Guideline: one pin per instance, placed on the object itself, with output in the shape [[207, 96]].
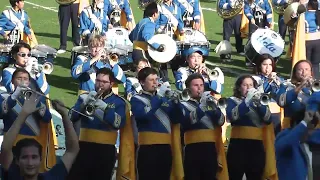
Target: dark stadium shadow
[[67, 83], [63, 62], [44, 34]]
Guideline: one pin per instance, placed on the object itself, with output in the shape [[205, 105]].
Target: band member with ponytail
[[297, 148], [292, 96], [155, 116], [259, 13], [248, 152], [143, 32], [201, 123], [231, 25], [21, 54], [98, 135], [195, 59], [93, 20], [85, 68], [312, 17]]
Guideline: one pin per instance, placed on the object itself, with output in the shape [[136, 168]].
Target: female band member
[[313, 36], [293, 96], [247, 152]]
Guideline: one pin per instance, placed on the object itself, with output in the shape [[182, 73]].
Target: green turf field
[[44, 21]]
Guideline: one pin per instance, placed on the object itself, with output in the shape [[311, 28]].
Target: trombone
[[28, 92], [90, 108]]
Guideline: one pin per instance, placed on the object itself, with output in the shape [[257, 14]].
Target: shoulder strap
[[169, 15], [14, 19], [186, 5]]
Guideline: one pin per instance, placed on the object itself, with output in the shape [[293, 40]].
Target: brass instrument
[[46, 68], [28, 92], [65, 2], [228, 14], [114, 57], [279, 9], [143, 4], [261, 99], [212, 102], [176, 95], [90, 108], [315, 86], [212, 74]]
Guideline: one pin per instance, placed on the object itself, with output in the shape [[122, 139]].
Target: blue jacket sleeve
[[225, 5], [43, 83], [127, 10], [284, 97], [216, 87], [247, 10], [179, 82], [106, 6], [26, 24], [148, 32], [105, 23], [176, 113], [268, 11], [180, 21], [236, 112], [84, 27], [196, 11], [3, 22], [81, 66], [191, 117], [285, 140], [141, 111], [128, 88], [118, 73], [116, 116], [216, 116], [6, 80]]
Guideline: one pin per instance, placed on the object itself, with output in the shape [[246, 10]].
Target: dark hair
[[20, 70], [193, 77], [259, 61], [145, 72], [236, 89], [150, 10], [16, 48], [106, 71], [313, 5], [136, 63], [13, 2], [294, 78], [26, 142]]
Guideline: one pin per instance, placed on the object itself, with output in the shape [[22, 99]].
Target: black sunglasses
[[24, 54]]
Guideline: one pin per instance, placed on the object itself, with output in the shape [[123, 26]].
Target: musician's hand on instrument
[[30, 104], [59, 107], [250, 94], [161, 48], [253, 21], [197, 26], [17, 92], [100, 104], [90, 97], [163, 89]]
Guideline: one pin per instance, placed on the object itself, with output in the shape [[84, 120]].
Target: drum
[[50, 52], [194, 38], [5, 55], [78, 50], [264, 41], [41, 56]]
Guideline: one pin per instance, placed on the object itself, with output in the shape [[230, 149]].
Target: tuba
[[279, 9], [65, 2], [227, 14], [142, 4]]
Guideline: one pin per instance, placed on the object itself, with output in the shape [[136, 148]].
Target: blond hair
[[96, 41]]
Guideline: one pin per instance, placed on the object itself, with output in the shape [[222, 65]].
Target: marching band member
[[154, 115], [15, 19], [230, 25], [85, 68], [312, 19], [282, 26], [110, 6], [21, 54], [297, 148], [22, 161], [259, 13], [195, 59], [132, 85], [190, 9], [201, 123], [248, 151], [143, 32], [98, 134], [293, 96], [93, 20]]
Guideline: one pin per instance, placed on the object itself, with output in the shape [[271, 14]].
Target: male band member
[[67, 12], [21, 54], [13, 20], [93, 20], [230, 25], [259, 13], [98, 135], [143, 32], [297, 148], [281, 24], [200, 120], [28, 152], [191, 14], [154, 115], [114, 8], [85, 68], [195, 59]]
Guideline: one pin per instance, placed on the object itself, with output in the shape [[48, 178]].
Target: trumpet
[[315, 86], [213, 102], [261, 99], [46, 68], [90, 108], [212, 74], [184, 95], [114, 57]]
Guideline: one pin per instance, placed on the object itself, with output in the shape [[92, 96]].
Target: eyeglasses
[[24, 54], [101, 81]]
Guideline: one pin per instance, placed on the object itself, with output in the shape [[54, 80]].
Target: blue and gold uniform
[[11, 19], [260, 11], [123, 5], [90, 19], [202, 134], [40, 81], [250, 147], [191, 7], [132, 87], [281, 24], [98, 135], [86, 73], [156, 118]]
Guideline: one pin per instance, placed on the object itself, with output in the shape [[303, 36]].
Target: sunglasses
[[24, 54]]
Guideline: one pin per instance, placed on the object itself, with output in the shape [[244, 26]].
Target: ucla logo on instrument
[[266, 43]]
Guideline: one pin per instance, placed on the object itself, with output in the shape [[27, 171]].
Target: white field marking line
[[214, 10], [37, 5]]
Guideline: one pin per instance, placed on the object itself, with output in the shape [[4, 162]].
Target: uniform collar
[[151, 19], [108, 95], [19, 11], [194, 100]]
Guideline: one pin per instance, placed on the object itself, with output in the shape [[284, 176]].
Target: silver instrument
[[315, 86], [90, 108], [46, 68], [261, 99], [212, 102], [176, 95]]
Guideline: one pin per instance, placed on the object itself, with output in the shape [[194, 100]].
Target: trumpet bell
[[316, 86], [264, 100], [47, 68], [185, 95], [222, 103], [89, 110]]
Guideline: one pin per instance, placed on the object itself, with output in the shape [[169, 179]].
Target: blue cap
[[202, 51]]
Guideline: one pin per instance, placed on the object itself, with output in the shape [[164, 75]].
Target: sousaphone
[[169, 52]]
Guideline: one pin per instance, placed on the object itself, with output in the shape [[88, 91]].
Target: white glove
[[251, 93], [184, 77], [203, 100], [100, 104], [90, 97], [163, 88], [17, 92]]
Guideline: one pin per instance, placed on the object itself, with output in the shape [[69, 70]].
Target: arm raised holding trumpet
[[214, 78]]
